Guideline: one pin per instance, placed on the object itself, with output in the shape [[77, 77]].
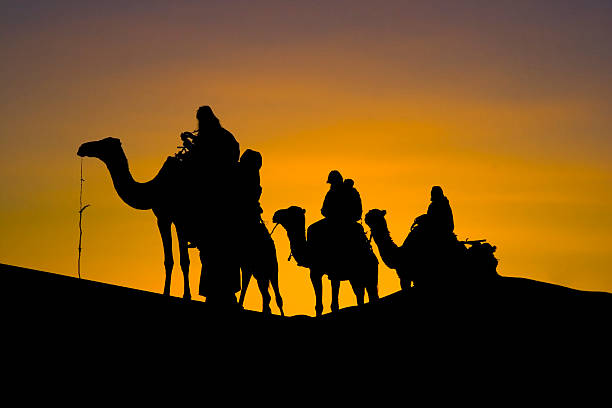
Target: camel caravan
[[223, 220]]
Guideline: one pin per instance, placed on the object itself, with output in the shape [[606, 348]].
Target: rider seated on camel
[[210, 165], [250, 183], [438, 221], [439, 213], [342, 202], [342, 210], [211, 143], [353, 200]]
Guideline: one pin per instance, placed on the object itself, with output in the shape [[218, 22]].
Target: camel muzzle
[[80, 152], [83, 150]]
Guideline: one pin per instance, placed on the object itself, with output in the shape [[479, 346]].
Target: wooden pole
[[81, 209]]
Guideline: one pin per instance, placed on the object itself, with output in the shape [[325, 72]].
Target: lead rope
[[81, 209], [275, 225], [273, 229], [369, 239], [290, 253]]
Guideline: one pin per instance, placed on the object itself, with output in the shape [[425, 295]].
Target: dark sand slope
[[504, 318]]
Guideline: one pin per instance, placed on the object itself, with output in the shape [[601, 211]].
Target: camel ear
[[303, 211], [384, 212]]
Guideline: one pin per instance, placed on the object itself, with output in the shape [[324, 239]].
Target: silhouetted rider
[[352, 200], [210, 162], [342, 202], [250, 183], [333, 202], [211, 144], [439, 213], [346, 238], [211, 171]]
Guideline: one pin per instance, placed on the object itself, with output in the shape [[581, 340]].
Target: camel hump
[[170, 163], [170, 170]]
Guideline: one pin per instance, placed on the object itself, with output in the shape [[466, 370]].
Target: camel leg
[[372, 292], [265, 295], [165, 231], [317, 284], [359, 292], [184, 261], [246, 278], [335, 286], [275, 288]]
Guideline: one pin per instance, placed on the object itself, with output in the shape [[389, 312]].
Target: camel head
[[375, 219], [101, 149], [292, 217]]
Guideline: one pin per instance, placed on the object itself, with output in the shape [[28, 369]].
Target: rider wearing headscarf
[[439, 213]]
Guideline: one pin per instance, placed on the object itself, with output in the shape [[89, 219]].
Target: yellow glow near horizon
[[516, 204]]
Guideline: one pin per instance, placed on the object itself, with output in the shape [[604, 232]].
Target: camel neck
[[381, 232], [297, 242], [135, 194], [389, 251]]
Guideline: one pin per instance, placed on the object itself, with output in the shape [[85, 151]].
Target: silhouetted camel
[[163, 194], [390, 253], [324, 255], [259, 259], [413, 260]]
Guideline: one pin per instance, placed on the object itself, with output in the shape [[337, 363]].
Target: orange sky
[[507, 107]]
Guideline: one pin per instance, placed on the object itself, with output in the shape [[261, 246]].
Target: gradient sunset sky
[[506, 104]]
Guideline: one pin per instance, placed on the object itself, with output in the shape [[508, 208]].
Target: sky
[[504, 104]]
